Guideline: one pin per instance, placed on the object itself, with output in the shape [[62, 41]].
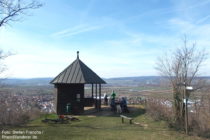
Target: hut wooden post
[[96, 101], [99, 96], [92, 91]]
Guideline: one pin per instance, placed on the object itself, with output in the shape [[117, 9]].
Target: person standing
[[113, 95], [123, 105], [106, 99], [113, 105]]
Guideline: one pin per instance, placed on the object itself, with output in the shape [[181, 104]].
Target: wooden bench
[[125, 117]]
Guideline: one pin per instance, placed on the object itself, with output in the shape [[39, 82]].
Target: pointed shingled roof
[[77, 73]]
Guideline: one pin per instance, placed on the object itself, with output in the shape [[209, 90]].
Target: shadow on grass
[[134, 111]]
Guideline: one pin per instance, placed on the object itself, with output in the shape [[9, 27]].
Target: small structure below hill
[[70, 88]]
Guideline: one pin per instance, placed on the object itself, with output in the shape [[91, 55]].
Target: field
[[105, 125]]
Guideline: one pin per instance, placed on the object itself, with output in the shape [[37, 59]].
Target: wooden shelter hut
[[70, 85]]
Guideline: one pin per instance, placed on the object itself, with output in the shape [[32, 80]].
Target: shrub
[[198, 115], [199, 119], [16, 110], [159, 109]]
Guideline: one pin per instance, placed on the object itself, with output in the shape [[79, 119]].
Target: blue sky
[[116, 38]]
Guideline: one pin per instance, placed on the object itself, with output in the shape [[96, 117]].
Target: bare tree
[[11, 10], [181, 67]]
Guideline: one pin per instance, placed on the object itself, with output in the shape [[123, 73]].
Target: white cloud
[[114, 58], [203, 19], [33, 58], [76, 30]]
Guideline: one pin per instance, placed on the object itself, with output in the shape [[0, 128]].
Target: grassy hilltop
[[106, 125]]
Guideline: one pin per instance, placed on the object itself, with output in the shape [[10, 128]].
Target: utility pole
[[186, 110], [185, 94], [188, 89]]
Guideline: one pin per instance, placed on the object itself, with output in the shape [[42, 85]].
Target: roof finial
[[77, 54]]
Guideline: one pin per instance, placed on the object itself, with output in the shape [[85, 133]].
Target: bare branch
[[10, 10]]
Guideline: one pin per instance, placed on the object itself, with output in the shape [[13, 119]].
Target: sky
[[115, 38]]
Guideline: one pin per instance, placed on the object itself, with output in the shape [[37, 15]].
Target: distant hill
[[26, 82], [121, 81], [134, 81]]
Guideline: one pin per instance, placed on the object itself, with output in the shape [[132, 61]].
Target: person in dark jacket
[[123, 104], [106, 100]]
